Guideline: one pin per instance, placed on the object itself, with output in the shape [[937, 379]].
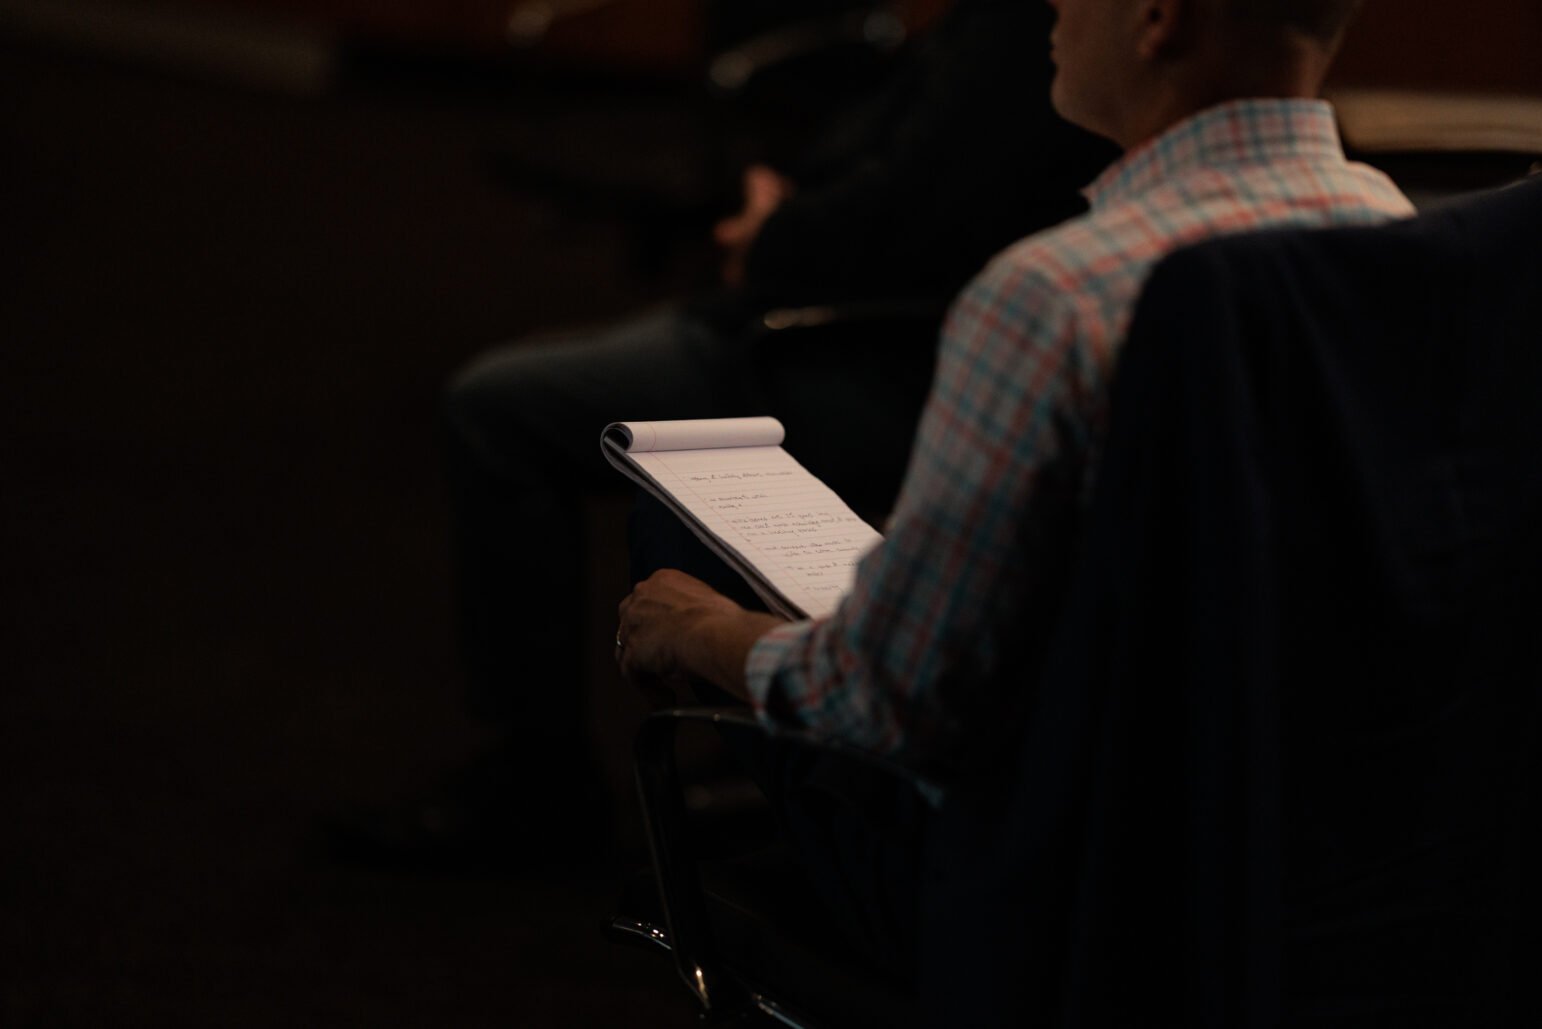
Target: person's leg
[[522, 438], [521, 432]]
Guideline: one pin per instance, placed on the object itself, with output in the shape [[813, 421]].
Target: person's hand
[[654, 624], [673, 629], [764, 191]]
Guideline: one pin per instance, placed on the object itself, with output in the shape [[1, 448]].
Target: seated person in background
[[904, 197], [1212, 100]]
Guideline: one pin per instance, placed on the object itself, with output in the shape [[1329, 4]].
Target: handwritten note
[[780, 518]]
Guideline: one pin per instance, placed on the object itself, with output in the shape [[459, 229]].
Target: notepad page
[[759, 500]]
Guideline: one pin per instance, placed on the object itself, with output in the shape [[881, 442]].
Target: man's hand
[[674, 628], [764, 191]]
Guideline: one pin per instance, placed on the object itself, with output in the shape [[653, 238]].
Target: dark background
[[238, 258], [228, 310]]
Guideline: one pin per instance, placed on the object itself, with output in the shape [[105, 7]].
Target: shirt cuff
[[774, 652]]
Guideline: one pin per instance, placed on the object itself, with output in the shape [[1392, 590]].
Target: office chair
[[1280, 763], [739, 922]]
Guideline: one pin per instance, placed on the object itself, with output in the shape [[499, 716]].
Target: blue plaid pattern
[[1007, 444]]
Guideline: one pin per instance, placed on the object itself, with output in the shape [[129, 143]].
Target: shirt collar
[[1233, 133]]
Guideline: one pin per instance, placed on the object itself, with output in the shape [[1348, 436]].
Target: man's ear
[[1164, 26]]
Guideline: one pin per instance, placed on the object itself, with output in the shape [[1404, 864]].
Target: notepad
[[788, 534]]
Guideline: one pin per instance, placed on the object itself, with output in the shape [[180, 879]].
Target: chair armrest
[[782, 320], [856, 331], [676, 865]]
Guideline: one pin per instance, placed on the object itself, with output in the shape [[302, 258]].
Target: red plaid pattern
[[1007, 444]]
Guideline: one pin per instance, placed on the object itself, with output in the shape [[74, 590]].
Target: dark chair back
[[1281, 766]]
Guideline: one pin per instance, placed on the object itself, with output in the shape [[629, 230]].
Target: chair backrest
[[1281, 766]]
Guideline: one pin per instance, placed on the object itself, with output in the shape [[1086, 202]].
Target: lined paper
[[779, 517], [791, 536]]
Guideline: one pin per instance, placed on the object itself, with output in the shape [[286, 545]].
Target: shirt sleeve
[[898, 667]]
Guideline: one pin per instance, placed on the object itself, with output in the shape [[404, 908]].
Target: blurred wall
[[1475, 46], [653, 35]]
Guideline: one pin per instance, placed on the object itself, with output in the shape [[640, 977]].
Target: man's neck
[[1179, 92]]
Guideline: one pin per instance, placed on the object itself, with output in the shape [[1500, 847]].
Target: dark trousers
[[522, 429]]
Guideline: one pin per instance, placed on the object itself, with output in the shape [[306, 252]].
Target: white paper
[[791, 536]]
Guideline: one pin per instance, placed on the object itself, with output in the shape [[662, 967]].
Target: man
[[904, 196], [1212, 101]]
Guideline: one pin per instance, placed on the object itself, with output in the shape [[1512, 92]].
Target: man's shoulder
[[1041, 286], [1110, 240], [1090, 268], [1062, 260]]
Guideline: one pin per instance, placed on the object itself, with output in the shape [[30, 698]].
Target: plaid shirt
[[1007, 442]]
